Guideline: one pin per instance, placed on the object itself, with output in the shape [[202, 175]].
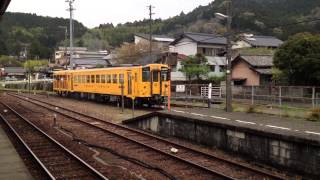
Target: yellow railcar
[[145, 84]]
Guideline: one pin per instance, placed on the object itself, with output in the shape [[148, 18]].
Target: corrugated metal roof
[[264, 71], [155, 37]]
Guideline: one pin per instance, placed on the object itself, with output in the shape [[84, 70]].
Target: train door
[[129, 83], [155, 82]]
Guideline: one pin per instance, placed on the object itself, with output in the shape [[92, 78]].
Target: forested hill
[[40, 34], [266, 17]]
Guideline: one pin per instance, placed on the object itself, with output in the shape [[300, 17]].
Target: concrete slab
[[11, 165], [267, 123]]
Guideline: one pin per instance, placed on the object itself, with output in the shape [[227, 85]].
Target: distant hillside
[[40, 34], [266, 17], [262, 17]]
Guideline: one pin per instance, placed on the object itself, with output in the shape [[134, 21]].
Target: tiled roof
[[263, 41], [11, 70], [203, 38], [258, 61]]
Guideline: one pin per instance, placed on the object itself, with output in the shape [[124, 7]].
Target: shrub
[[314, 115]]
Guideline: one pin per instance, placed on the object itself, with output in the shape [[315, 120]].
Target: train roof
[[108, 68]]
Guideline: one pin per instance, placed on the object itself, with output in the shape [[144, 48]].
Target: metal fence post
[[280, 100], [252, 95], [209, 95], [313, 97]]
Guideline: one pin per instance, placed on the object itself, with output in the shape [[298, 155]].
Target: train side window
[[121, 78], [146, 74], [92, 79], [109, 78], [97, 78], [114, 78], [103, 79], [88, 79]]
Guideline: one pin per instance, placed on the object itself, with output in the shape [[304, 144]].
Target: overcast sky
[[94, 12]]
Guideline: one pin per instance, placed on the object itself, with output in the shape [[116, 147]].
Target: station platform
[[11, 165], [268, 123]]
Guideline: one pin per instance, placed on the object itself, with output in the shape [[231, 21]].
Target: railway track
[[209, 163], [55, 160]]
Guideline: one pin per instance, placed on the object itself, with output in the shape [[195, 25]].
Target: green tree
[[6, 61], [195, 67], [299, 59], [34, 65]]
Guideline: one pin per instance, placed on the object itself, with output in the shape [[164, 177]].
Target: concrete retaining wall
[[289, 153]]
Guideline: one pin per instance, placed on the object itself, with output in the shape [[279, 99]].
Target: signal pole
[[229, 58], [71, 9], [150, 35]]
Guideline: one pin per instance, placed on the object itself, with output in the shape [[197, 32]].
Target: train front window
[[165, 75], [146, 74]]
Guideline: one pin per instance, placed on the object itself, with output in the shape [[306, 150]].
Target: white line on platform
[[179, 111], [246, 122], [202, 115], [217, 117], [310, 132], [277, 127]]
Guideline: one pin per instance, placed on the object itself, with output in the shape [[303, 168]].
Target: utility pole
[[150, 35], [71, 9], [229, 58]]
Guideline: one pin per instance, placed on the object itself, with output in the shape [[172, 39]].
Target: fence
[[291, 96], [43, 85]]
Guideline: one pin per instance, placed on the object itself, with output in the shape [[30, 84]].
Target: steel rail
[[216, 173], [275, 176], [89, 167]]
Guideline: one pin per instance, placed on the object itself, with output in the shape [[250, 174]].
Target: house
[[254, 41], [89, 62], [199, 43], [82, 58], [14, 73], [252, 70], [159, 41], [174, 61]]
